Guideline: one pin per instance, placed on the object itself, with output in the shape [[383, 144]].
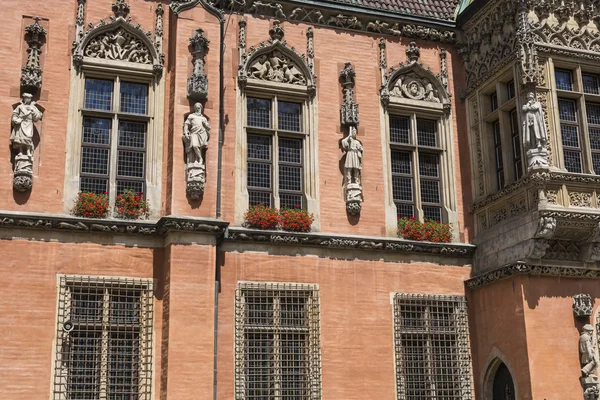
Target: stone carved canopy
[[118, 40]]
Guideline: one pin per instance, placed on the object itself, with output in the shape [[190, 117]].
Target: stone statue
[[21, 139], [587, 356], [354, 152], [535, 136], [195, 138]]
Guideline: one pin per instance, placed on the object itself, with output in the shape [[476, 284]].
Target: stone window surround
[[286, 92], [144, 284], [502, 114], [109, 69], [580, 99], [427, 110]]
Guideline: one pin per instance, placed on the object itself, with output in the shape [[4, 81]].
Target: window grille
[[114, 142], [432, 347], [405, 131], [104, 339], [564, 80], [273, 151], [277, 346], [516, 145], [569, 129], [498, 154]]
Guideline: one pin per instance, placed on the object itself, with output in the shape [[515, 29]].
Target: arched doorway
[[503, 387]]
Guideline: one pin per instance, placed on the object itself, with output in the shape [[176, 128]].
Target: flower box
[[263, 217], [131, 205], [428, 231], [91, 205]]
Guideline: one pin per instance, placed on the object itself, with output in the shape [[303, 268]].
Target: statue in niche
[[195, 138], [354, 152], [589, 363], [535, 136], [21, 139]]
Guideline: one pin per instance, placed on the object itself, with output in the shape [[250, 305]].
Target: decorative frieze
[[582, 305], [197, 83], [31, 73]]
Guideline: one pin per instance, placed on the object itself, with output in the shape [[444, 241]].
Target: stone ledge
[[110, 226], [347, 242], [522, 268]]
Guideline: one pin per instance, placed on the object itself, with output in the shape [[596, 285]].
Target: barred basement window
[[414, 141], [275, 137], [104, 339], [277, 348], [432, 347], [115, 123]]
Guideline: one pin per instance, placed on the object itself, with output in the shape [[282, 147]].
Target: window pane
[[259, 112], [259, 371], [136, 186], [98, 94], [399, 129], [510, 89], [429, 165], [259, 147], [570, 136], [289, 116], [563, 79], [566, 110], [86, 305], [402, 188], [427, 132], [404, 210], [259, 175], [290, 178], [432, 213], [123, 365], [256, 198], [430, 191], [293, 311], [590, 84], [572, 161], [94, 160], [132, 134], [295, 382], [93, 185], [96, 131], [130, 163], [593, 113], [595, 138], [596, 163], [134, 98], [494, 101], [289, 200], [124, 306], [414, 362], [290, 151], [83, 361], [401, 162]]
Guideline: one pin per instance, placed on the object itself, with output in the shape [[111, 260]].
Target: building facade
[[483, 116]]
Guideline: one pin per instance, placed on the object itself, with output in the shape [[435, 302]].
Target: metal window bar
[[497, 135], [110, 143], [104, 339], [516, 145], [277, 348], [432, 347], [569, 129]]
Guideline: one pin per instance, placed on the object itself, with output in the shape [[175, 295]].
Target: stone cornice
[[70, 223], [522, 268], [335, 241]]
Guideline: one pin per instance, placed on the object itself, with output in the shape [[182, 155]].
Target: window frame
[[430, 332], [498, 154], [277, 291], [144, 327]]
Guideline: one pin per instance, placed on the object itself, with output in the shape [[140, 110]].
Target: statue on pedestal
[[21, 139], [352, 170], [195, 138], [535, 135], [589, 363]]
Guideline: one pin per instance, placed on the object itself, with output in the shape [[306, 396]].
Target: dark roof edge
[[471, 10]]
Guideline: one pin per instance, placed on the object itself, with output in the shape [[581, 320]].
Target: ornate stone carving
[[307, 15], [528, 57], [546, 227], [272, 9], [538, 249], [121, 40], [196, 133], [580, 199], [444, 69], [345, 21], [31, 73], [535, 135], [158, 27], [275, 61], [410, 80], [23, 118], [382, 56], [197, 83], [310, 49], [349, 109], [582, 305], [589, 363], [478, 152], [377, 26]]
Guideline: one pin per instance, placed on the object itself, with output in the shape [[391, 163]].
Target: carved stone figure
[[118, 45], [354, 152], [535, 136], [413, 87], [195, 138], [582, 305], [276, 67], [546, 227], [21, 139]]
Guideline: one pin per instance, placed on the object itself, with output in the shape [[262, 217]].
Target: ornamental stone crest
[[582, 305], [274, 61], [411, 80], [197, 84], [119, 40], [31, 73]]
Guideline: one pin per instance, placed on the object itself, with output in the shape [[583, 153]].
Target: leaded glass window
[[414, 142], [569, 129], [104, 339], [275, 157], [432, 347], [277, 347], [115, 124], [591, 84], [564, 79]]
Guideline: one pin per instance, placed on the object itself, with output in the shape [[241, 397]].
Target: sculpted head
[[530, 96], [198, 108], [27, 98], [587, 328]]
